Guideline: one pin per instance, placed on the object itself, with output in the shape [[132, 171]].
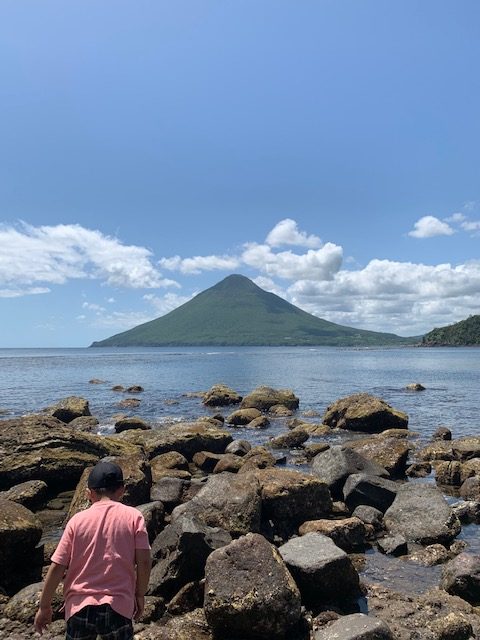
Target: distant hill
[[236, 312], [464, 333]]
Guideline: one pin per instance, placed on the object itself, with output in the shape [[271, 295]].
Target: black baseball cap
[[105, 475]]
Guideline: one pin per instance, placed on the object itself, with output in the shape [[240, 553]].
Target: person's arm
[[43, 616], [143, 561]]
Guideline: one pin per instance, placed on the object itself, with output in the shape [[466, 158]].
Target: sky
[[326, 149]]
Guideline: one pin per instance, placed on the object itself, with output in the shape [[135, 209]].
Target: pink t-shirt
[[98, 547]]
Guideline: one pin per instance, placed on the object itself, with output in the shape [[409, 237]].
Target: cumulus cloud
[[429, 227], [286, 232], [56, 254], [197, 264]]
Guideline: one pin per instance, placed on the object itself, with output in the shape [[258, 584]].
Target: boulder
[[470, 489], [129, 403], [132, 422], [242, 417], [349, 534], [448, 472], [290, 440], [164, 464], [169, 491], [228, 462], [419, 470], [20, 558], [364, 412], [188, 598], [390, 453], [356, 626], [334, 465], [290, 497], [153, 514], [323, 572], [461, 577], [118, 388], [280, 411], [262, 422], [70, 408], [137, 478], [190, 626], [263, 398], [186, 438], [257, 458], [24, 604], [207, 461], [372, 491], [229, 501], [442, 433], [84, 423], [249, 593], [415, 386], [221, 396], [238, 447], [395, 545], [136, 388], [431, 555], [31, 494], [369, 516], [180, 552], [421, 514], [44, 448]]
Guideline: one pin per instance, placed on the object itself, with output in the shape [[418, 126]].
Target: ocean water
[[31, 379]]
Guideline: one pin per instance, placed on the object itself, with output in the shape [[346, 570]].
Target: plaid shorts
[[98, 620]]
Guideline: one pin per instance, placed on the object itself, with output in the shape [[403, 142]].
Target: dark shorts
[[98, 620]]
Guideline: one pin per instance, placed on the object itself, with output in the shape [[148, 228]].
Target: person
[[104, 559]]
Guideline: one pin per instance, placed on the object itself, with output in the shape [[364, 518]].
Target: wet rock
[[289, 498], [356, 626], [96, 381], [262, 422], [88, 424], [315, 430], [43, 448], [249, 593], [467, 511], [133, 422], [257, 458], [349, 534], [290, 440], [242, 417], [323, 572], [364, 412], [228, 462], [229, 501], [70, 408], [430, 556], [312, 450], [372, 491], [369, 516], [437, 450], [163, 465], [180, 552], [461, 577], [20, 561], [470, 489], [129, 403], [169, 491], [186, 438], [221, 396], [395, 545], [415, 386], [136, 388], [24, 604], [442, 433], [207, 461], [421, 514], [389, 453], [280, 411], [118, 388], [31, 494], [190, 626], [419, 470], [154, 514], [448, 472], [263, 398], [334, 465], [238, 447]]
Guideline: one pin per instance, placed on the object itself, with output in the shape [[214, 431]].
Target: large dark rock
[[180, 552], [20, 560], [263, 398], [70, 408], [290, 440], [334, 465], [221, 396], [390, 453], [153, 514], [229, 501], [31, 494], [131, 422], [186, 438], [238, 447], [364, 412], [461, 577], [323, 572], [372, 491], [290, 497], [356, 626], [249, 593], [349, 534], [24, 604], [169, 491], [257, 458], [44, 448], [190, 626], [421, 514]]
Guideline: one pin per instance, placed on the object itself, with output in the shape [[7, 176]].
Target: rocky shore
[[243, 546]]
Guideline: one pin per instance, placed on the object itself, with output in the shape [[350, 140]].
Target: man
[[104, 558]]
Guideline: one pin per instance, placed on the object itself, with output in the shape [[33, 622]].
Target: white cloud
[[286, 232], [165, 304], [429, 227], [197, 264], [456, 217], [472, 226], [56, 254], [92, 306], [17, 293]]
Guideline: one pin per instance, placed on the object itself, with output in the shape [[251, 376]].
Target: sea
[[172, 377]]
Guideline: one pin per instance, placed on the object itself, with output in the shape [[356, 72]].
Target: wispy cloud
[[429, 227], [197, 264]]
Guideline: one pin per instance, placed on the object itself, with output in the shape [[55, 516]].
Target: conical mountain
[[237, 312]]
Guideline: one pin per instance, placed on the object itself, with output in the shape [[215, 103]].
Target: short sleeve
[[63, 552], [141, 535]]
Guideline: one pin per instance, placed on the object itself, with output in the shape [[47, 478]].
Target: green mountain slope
[[464, 333], [237, 312]]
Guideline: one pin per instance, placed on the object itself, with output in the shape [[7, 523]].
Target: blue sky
[[326, 149]]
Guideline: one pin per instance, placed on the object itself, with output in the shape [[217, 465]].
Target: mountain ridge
[[464, 333], [236, 312]]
